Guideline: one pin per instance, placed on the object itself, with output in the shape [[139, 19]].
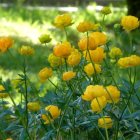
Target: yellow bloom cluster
[[63, 20], [68, 75], [130, 61], [74, 58], [53, 112], [5, 44], [87, 26], [100, 95], [62, 50], [91, 69], [96, 55], [26, 50], [3, 94], [55, 61], [105, 122], [45, 73], [33, 106], [115, 52], [91, 42], [129, 23]]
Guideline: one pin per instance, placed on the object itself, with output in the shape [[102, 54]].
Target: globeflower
[[130, 61], [98, 103], [105, 10], [3, 94], [33, 106], [55, 61], [99, 38], [115, 52], [91, 69], [87, 26], [112, 94], [45, 38], [47, 119], [5, 43], [26, 50], [74, 58], [105, 122], [129, 23], [53, 110], [63, 20], [62, 50], [96, 55], [45, 73], [93, 91], [68, 75]]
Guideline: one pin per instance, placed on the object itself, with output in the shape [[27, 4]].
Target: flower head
[[68, 75], [115, 52], [87, 26], [105, 10], [26, 50], [63, 20], [98, 103], [91, 69], [112, 94], [93, 91], [45, 38], [62, 50], [129, 23], [53, 110], [55, 61], [45, 73], [74, 58], [3, 94], [130, 61], [105, 122], [96, 55], [33, 106], [5, 44], [47, 119]]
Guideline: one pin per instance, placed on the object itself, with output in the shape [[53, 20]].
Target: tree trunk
[[134, 7]]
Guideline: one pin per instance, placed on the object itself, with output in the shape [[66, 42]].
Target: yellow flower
[[62, 50], [53, 110], [84, 42], [91, 69], [68, 75], [26, 50], [46, 118], [99, 38], [129, 23], [97, 55], [55, 61], [87, 26], [93, 91], [74, 58], [130, 61], [45, 73], [63, 20], [3, 95], [98, 103], [105, 10], [112, 94], [5, 44], [115, 52], [33, 106], [45, 38], [105, 122]]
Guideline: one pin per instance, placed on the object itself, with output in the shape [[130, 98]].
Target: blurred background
[[26, 20]]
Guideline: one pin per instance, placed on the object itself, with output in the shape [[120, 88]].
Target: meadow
[[69, 75]]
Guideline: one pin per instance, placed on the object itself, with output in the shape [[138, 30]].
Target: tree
[[134, 7]]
